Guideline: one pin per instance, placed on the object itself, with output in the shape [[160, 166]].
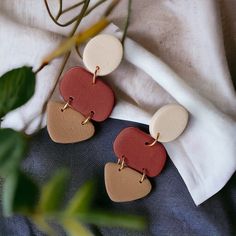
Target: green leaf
[[16, 88], [74, 228], [82, 199], [53, 192], [13, 147], [20, 194], [110, 219]]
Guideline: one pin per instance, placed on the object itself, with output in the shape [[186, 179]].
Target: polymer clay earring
[[86, 96], [141, 155]]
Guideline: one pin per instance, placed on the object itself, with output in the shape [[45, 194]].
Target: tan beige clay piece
[[66, 126], [124, 185]]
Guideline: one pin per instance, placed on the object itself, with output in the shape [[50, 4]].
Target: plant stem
[[40, 68], [111, 7], [54, 19], [66, 57], [78, 52], [94, 6], [86, 4], [69, 9], [80, 17], [50, 14], [60, 9], [83, 12], [127, 21]]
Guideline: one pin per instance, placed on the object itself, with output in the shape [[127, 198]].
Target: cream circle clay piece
[[169, 121], [103, 51]]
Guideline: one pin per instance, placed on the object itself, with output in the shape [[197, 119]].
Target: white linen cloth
[[187, 65]]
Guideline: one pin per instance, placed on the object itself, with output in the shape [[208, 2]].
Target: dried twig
[[55, 20], [60, 8], [111, 7], [127, 21], [95, 6], [61, 12], [66, 57], [84, 11]]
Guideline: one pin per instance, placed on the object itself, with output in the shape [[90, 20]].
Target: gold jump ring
[[95, 74], [155, 141], [143, 176], [88, 118], [122, 163], [67, 104]]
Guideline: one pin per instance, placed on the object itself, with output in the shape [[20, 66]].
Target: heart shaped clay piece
[[131, 145], [123, 185], [66, 127]]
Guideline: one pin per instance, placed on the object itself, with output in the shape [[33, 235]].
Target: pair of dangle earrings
[[86, 96], [141, 155]]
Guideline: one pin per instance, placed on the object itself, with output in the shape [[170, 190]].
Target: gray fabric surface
[[169, 207]]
